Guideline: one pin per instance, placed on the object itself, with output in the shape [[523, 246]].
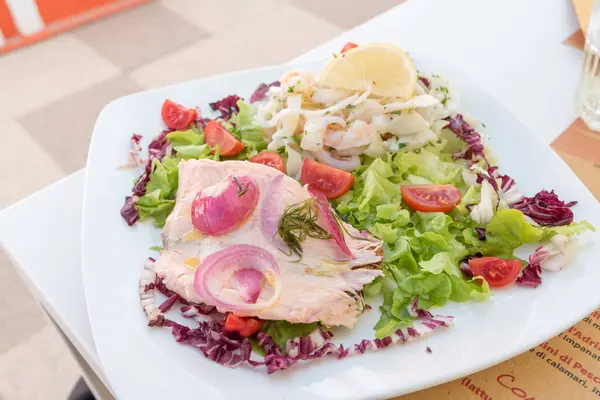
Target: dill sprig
[[298, 222]]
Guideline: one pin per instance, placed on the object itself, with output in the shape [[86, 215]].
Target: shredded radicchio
[[133, 157], [200, 122], [210, 337], [129, 212], [546, 209], [158, 148], [480, 233], [464, 264], [261, 91], [504, 185], [226, 106], [474, 148], [531, 275]]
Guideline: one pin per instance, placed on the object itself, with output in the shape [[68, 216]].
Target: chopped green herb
[[298, 222], [291, 89], [350, 106], [334, 55], [326, 112], [155, 248]]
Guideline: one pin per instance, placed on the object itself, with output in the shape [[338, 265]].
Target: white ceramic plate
[[144, 363]]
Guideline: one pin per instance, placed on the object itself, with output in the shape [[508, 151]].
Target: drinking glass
[[587, 102]]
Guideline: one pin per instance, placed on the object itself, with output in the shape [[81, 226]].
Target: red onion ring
[[330, 222], [249, 283], [240, 257], [218, 209]]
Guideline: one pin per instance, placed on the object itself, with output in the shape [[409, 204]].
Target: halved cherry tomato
[[269, 158], [349, 46], [430, 198], [215, 134], [330, 181], [245, 326], [496, 271], [175, 116]]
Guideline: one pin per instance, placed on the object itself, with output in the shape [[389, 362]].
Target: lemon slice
[[380, 68]]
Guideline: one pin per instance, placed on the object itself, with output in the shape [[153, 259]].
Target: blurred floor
[[52, 92]]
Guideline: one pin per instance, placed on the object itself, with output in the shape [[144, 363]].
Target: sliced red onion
[[331, 223], [213, 288], [220, 208], [249, 283]]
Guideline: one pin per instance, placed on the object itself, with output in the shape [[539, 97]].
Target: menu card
[[568, 365]]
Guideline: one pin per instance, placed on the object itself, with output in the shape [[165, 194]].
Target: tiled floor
[[51, 93]]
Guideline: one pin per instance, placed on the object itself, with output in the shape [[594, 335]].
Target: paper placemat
[[568, 365]]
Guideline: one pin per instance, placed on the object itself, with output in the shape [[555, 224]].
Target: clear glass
[[587, 102]]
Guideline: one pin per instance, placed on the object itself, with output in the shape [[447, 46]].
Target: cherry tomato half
[[330, 181], [245, 326], [348, 46], [496, 271], [430, 198], [270, 159], [175, 116], [215, 134]]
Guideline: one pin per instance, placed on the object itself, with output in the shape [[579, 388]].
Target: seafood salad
[[360, 189]]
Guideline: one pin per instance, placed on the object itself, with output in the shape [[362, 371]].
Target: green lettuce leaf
[[428, 165], [574, 228], [247, 131], [186, 138], [472, 196], [510, 227], [164, 177], [384, 232], [388, 211], [441, 262], [377, 189], [283, 331], [152, 204], [432, 290], [192, 151], [465, 290]]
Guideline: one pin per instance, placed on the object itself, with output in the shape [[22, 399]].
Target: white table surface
[[512, 48]]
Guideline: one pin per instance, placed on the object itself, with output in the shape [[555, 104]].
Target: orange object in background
[[23, 22]]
